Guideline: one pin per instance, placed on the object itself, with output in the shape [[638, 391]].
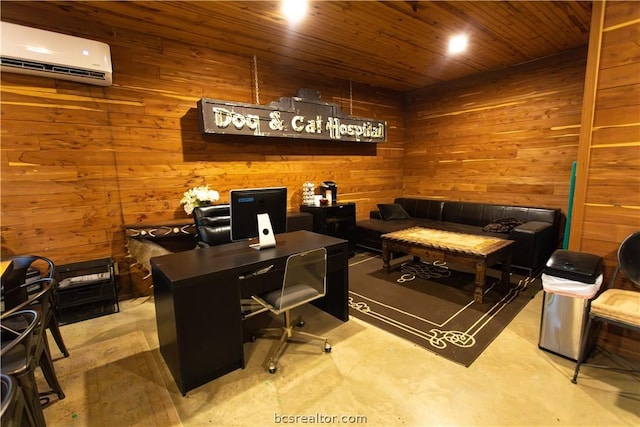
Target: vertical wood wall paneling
[[80, 161], [588, 107], [609, 201]]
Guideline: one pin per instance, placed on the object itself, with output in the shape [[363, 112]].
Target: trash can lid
[[578, 266]]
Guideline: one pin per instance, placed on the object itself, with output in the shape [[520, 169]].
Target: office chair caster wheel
[[254, 338], [327, 347], [300, 324], [272, 369]]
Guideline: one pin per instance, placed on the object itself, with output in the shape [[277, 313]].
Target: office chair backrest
[[213, 224], [305, 268], [629, 257]]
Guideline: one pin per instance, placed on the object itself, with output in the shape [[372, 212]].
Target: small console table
[[174, 235], [338, 220]]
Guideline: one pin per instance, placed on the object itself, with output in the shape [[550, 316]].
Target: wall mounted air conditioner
[[37, 52]]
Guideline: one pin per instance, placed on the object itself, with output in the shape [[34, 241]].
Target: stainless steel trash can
[[570, 281]]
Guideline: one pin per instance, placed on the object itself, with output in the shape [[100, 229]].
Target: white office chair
[[305, 279]]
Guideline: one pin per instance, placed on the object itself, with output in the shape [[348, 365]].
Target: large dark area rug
[[437, 313]]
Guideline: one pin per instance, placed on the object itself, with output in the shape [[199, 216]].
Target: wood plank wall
[[610, 208], [607, 202], [503, 137], [512, 136], [80, 161]]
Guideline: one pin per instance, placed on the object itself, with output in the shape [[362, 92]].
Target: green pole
[[572, 187]]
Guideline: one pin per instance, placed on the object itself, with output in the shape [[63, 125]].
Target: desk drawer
[[267, 276], [261, 279]]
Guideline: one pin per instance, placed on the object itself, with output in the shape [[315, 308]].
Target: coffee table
[[478, 252]]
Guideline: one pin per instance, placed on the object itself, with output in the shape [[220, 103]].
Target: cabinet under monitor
[[337, 220]]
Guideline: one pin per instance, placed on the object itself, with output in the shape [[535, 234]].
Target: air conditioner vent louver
[[38, 52], [22, 64], [19, 63]]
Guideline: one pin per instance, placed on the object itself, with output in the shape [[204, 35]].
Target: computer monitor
[[258, 212]]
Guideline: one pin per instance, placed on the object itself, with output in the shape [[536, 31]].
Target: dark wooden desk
[[197, 299]]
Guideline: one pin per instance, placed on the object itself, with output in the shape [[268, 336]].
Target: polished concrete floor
[[371, 377]]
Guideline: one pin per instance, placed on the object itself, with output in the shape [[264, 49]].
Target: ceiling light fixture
[[294, 10], [458, 44]]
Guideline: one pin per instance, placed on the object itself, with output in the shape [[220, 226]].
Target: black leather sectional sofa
[[537, 232]]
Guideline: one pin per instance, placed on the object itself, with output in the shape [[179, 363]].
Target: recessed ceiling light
[[458, 44], [294, 10]]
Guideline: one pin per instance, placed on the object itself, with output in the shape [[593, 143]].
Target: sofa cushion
[[392, 211], [422, 208], [503, 225]]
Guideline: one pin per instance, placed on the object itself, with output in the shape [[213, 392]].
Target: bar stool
[[15, 291], [13, 411], [17, 357], [42, 303]]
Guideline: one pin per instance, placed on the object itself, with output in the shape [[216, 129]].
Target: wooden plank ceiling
[[399, 45]]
